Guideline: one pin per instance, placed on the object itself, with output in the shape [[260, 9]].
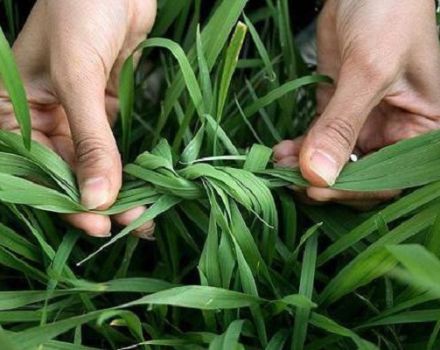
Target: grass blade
[[12, 83]]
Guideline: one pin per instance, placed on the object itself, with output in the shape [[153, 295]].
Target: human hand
[[384, 57], [70, 54]]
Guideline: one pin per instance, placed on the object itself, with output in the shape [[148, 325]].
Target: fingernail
[[101, 235], [146, 231], [325, 167], [148, 236], [95, 192]]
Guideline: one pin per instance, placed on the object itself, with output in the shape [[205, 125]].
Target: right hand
[[384, 57], [70, 54]]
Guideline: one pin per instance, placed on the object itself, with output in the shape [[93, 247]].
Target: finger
[[331, 139], [286, 154], [63, 145], [81, 88], [44, 124], [143, 15], [37, 136], [288, 148], [288, 162], [358, 201], [92, 224], [326, 37], [145, 231], [319, 194], [96, 159], [329, 60], [81, 57]]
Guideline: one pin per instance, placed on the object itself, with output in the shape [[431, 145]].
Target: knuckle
[[66, 79], [371, 67], [5, 105], [143, 14], [7, 118], [341, 132], [67, 74], [323, 96], [93, 152]]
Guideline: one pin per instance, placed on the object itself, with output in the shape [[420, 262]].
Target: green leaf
[[130, 319], [258, 158], [185, 67], [204, 74], [214, 37], [331, 326], [228, 340], [261, 49], [197, 297], [6, 342], [306, 289], [19, 191], [50, 162], [126, 102], [416, 259], [375, 261], [12, 83], [163, 204], [209, 261], [402, 207], [415, 160], [279, 92], [231, 59]]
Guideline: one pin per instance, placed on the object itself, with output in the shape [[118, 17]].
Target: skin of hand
[[70, 54], [384, 58]]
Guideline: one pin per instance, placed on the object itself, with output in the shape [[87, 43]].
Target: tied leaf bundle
[[41, 179], [28, 175]]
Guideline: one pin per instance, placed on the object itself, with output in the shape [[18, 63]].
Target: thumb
[[330, 141], [97, 159]]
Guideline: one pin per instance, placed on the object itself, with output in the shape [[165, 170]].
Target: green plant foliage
[[237, 262], [12, 83]]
